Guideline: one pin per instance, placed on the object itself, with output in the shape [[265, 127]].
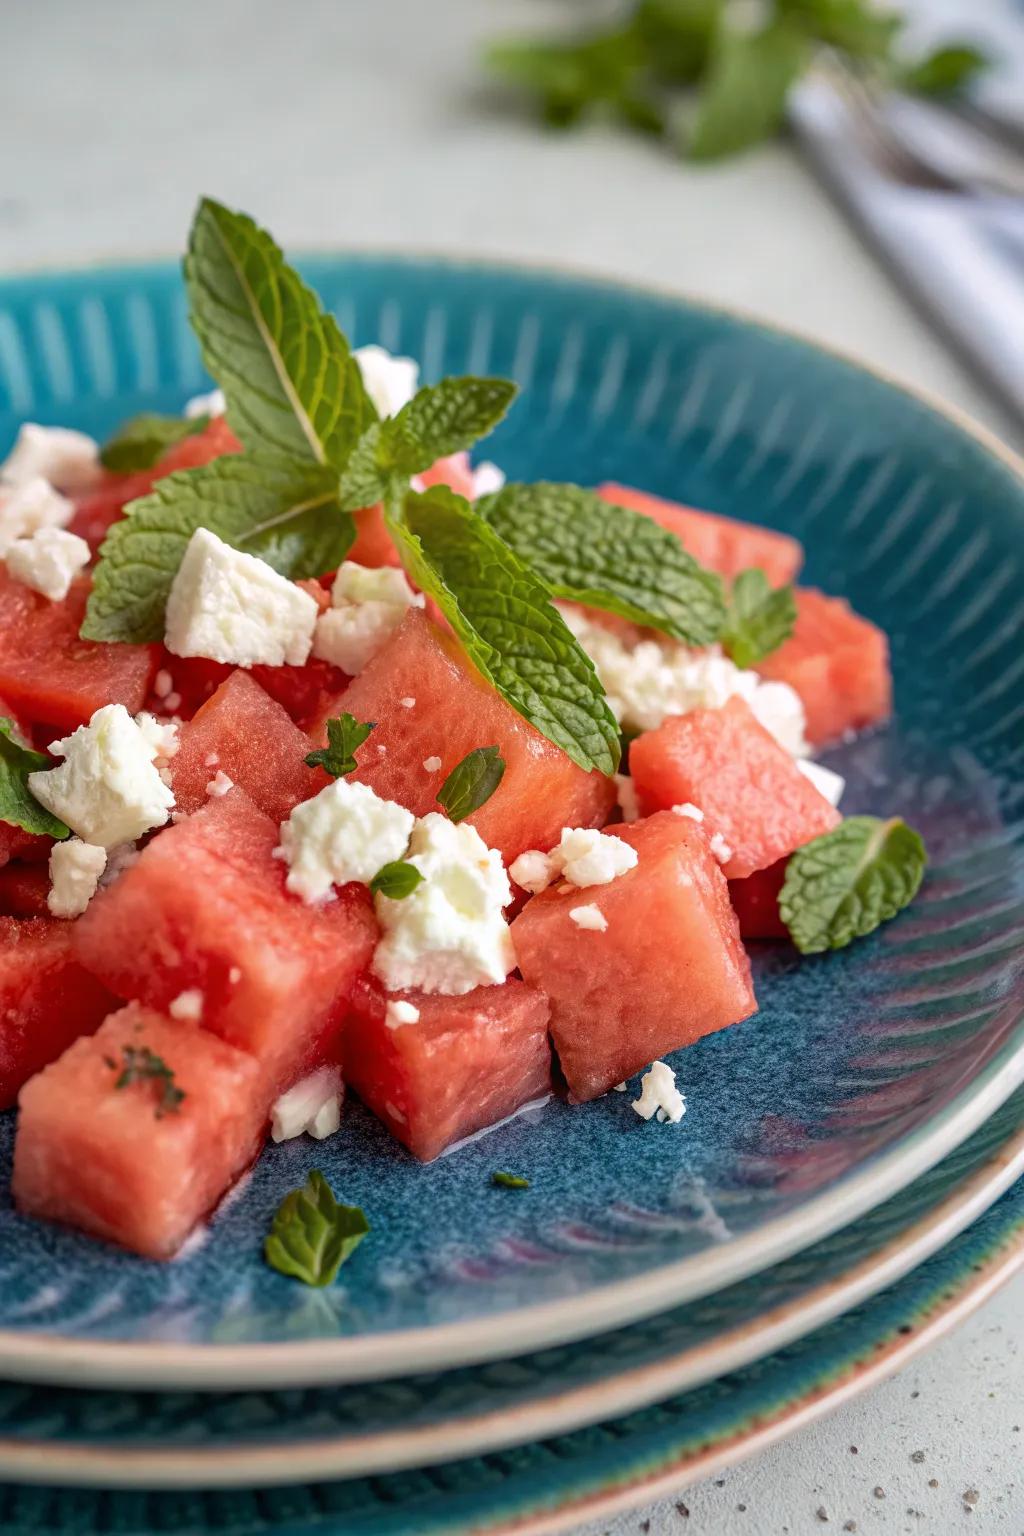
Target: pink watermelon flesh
[[205, 907], [723, 544], [454, 710], [465, 1064], [242, 732], [756, 900], [669, 968], [749, 788], [108, 1161], [24, 889], [46, 998], [373, 544]]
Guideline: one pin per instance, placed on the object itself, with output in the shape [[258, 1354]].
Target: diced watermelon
[[669, 967], [756, 900], [46, 998], [374, 545], [454, 710], [243, 732], [18, 844], [839, 665], [454, 471], [50, 676], [301, 691], [751, 792], [466, 1063], [107, 1159], [24, 889], [205, 907], [724, 544]]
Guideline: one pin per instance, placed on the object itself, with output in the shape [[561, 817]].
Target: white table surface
[[362, 122]]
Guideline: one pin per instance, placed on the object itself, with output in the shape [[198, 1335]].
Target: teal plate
[[861, 1070]]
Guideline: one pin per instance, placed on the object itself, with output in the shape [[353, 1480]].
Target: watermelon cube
[[465, 1063], [24, 889], [754, 798], [839, 665], [205, 908], [50, 676], [650, 962], [242, 732], [133, 1163], [46, 998], [723, 544], [756, 902], [374, 545], [429, 701]]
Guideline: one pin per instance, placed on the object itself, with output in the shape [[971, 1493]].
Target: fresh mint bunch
[[760, 618], [344, 735], [18, 807], [849, 881], [471, 783], [312, 1235], [142, 442]]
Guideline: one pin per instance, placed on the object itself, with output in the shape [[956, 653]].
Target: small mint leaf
[[844, 884], [396, 880], [142, 442], [946, 71], [471, 783], [859, 28], [141, 1065], [294, 391], [609, 557], [760, 618], [344, 735], [288, 517], [312, 1235], [502, 614], [18, 807], [744, 91], [509, 1181]]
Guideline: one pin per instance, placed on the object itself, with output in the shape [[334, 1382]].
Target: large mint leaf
[[847, 882], [502, 614], [288, 517], [142, 442], [18, 807], [608, 557], [312, 1234], [293, 389]]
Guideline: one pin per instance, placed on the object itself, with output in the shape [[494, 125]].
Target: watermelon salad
[[331, 762]]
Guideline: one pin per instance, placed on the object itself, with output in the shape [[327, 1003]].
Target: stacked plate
[[661, 1299]]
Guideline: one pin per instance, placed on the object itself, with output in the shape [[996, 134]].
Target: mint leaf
[[743, 94], [509, 1181], [857, 27], [677, 36], [287, 516], [293, 389], [142, 442], [847, 882], [396, 880], [141, 1065], [344, 735], [944, 72], [18, 807], [471, 783], [501, 612], [608, 557], [312, 1235], [760, 618], [569, 78]]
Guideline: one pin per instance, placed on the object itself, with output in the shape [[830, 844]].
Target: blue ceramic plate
[[861, 1069]]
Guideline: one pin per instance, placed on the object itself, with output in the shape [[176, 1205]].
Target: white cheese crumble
[[344, 833], [487, 478], [720, 848], [48, 561], [408, 703], [825, 781], [389, 381], [163, 683], [533, 870], [75, 870], [232, 607], [431, 764], [399, 1012], [653, 678], [219, 785], [211, 760], [68, 460], [188, 1005], [659, 1094], [625, 794], [28, 507], [590, 917], [449, 935], [213, 404], [312, 1106], [107, 789], [160, 735], [688, 809], [367, 605], [584, 856]]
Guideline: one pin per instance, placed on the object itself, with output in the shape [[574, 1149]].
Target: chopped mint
[[760, 618], [142, 442], [849, 881], [471, 783], [509, 1181], [18, 806], [141, 1065], [344, 735], [312, 1235], [396, 880]]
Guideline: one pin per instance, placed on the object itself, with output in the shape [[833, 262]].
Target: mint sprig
[[847, 882], [396, 880], [471, 783], [344, 734], [18, 806], [312, 1234], [503, 616], [142, 442], [760, 618], [609, 557]]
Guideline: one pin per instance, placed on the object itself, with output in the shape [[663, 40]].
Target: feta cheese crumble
[[68, 460], [408, 703], [219, 785], [720, 848], [389, 381], [48, 561], [659, 1094], [312, 1106], [29, 507], [229, 606], [75, 870], [367, 606], [533, 870], [188, 1005], [344, 833], [625, 794], [590, 917], [161, 736], [431, 764], [449, 935], [487, 478], [213, 404], [399, 1012], [825, 781], [584, 856], [107, 789], [688, 809]]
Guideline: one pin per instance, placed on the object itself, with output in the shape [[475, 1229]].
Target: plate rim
[[46, 1357]]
